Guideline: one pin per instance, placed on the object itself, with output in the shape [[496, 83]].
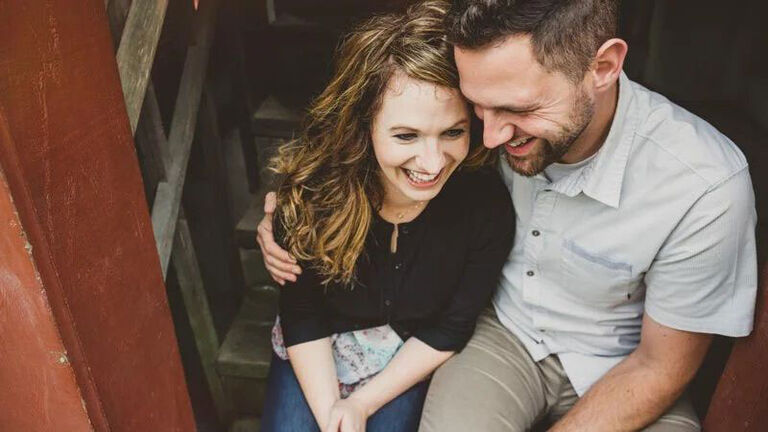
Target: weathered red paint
[[740, 402], [39, 391], [73, 174]]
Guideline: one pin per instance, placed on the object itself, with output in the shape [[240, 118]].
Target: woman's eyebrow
[[396, 127]]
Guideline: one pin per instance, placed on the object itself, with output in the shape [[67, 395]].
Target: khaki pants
[[494, 385]]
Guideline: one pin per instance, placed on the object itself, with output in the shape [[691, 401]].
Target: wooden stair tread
[[254, 271], [246, 424], [275, 119], [245, 231], [247, 349]]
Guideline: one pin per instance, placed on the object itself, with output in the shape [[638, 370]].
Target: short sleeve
[[491, 231], [303, 317], [704, 278]]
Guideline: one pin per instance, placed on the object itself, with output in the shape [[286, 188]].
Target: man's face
[[534, 114]]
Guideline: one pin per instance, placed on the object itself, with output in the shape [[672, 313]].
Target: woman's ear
[[608, 64]]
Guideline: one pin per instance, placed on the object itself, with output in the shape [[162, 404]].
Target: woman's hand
[[347, 415]]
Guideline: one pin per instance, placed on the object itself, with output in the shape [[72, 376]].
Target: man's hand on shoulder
[[279, 263]]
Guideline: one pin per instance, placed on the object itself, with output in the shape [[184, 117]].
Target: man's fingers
[[270, 203], [281, 277], [279, 264]]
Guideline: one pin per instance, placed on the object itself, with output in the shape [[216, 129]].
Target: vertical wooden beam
[[137, 52], [39, 390], [117, 12], [78, 191], [165, 208], [740, 402], [200, 319], [152, 144]]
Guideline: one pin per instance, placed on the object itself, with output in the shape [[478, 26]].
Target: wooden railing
[[138, 25]]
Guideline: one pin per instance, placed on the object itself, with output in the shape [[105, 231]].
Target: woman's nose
[[432, 157]]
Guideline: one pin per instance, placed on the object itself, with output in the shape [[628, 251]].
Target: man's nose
[[496, 131]]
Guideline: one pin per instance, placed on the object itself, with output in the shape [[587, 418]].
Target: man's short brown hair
[[565, 34]]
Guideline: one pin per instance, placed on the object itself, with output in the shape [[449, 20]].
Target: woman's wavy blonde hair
[[329, 188]]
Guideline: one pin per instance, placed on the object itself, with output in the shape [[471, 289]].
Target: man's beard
[[552, 150]]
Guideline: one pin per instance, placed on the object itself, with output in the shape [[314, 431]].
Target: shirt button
[[530, 273], [388, 303], [535, 233], [397, 266], [404, 230]]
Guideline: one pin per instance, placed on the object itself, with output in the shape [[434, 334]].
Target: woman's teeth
[[520, 141], [418, 177]]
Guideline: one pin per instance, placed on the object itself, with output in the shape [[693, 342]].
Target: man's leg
[[680, 418], [493, 385]]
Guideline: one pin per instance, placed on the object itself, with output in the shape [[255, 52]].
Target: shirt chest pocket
[[596, 279]]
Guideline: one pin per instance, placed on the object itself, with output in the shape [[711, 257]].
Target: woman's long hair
[[329, 187]]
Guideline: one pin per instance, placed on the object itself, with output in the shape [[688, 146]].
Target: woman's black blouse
[[443, 274]]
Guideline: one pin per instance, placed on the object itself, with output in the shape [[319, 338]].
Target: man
[[635, 232]]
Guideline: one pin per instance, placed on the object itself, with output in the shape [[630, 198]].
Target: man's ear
[[608, 64]]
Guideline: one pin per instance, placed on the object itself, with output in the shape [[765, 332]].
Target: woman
[[401, 244]]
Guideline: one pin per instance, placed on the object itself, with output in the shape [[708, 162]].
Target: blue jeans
[[286, 409]]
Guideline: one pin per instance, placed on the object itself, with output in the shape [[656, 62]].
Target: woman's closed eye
[[405, 137], [454, 133]]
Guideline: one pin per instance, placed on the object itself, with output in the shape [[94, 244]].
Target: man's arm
[[643, 386], [279, 263]]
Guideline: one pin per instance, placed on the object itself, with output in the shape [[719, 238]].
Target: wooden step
[[246, 424], [245, 231], [274, 118], [247, 350], [254, 272]]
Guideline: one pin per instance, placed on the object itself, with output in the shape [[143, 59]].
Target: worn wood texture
[[77, 188], [152, 145], [117, 12], [198, 311], [39, 391], [136, 53], [165, 208]]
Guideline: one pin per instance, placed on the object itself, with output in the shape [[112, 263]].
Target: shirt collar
[[603, 178]]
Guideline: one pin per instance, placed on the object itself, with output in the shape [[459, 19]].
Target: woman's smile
[[420, 179]]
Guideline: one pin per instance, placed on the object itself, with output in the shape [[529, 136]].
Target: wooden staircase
[[244, 358]]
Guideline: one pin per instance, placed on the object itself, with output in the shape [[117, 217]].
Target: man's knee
[[464, 395], [680, 418]]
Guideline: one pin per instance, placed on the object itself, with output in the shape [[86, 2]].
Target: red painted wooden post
[[39, 392], [72, 171], [740, 402]]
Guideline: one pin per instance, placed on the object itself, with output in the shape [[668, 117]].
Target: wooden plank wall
[[74, 177]]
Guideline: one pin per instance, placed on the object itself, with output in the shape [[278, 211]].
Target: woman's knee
[[285, 407]]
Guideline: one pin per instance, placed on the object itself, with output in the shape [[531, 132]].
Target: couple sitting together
[[565, 269]]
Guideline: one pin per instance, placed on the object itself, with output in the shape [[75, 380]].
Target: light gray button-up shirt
[[661, 221]]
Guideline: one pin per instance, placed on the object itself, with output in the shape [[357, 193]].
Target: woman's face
[[420, 135]]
